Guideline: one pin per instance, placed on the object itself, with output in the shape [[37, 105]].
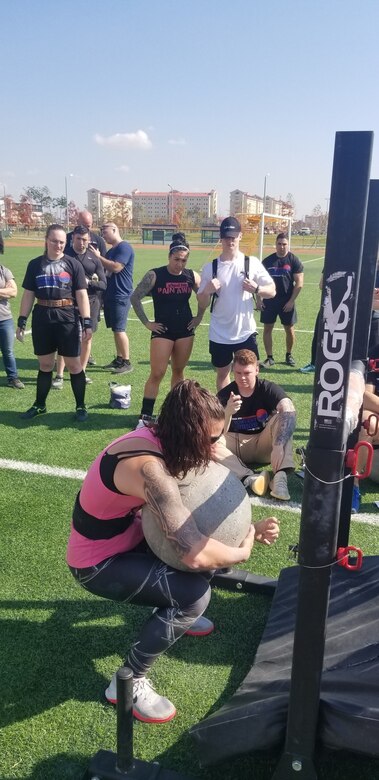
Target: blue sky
[[124, 94]]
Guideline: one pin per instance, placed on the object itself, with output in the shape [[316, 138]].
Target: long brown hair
[[184, 426]]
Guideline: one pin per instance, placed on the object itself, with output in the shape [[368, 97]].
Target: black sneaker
[[268, 362], [114, 363], [81, 414], [289, 360], [91, 361], [34, 411], [123, 367]]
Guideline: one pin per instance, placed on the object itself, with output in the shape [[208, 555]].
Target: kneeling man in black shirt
[[259, 423]]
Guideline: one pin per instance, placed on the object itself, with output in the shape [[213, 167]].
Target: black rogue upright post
[[326, 449]]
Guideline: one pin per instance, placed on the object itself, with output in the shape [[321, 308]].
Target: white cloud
[[123, 168], [138, 140], [177, 141]]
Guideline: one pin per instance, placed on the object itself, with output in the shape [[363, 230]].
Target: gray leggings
[[139, 577]]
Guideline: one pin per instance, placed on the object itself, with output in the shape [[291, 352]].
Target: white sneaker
[[144, 421], [148, 706], [57, 383], [279, 487], [201, 627], [258, 483]]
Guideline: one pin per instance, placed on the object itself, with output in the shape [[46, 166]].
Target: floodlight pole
[[171, 196], [5, 209], [66, 196], [264, 192], [326, 449], [261, 237]]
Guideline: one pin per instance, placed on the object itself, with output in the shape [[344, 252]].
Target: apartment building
[[165, 206], [109, 206], [150, 206], [243, 203]]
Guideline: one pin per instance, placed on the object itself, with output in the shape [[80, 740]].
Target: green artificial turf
[[60, 645]]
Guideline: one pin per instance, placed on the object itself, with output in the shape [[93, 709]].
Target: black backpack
[[214, 275]]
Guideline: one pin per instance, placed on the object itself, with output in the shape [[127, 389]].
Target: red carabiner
[[367, 424], [351, 459], [343, 557]]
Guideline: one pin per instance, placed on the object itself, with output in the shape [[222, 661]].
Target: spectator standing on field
[[287, 272], [173, 326], [259, 422], [52, 284], [96, 281], [118, 263], [8, 289], [229, 283], [1, 243], [85, 219]]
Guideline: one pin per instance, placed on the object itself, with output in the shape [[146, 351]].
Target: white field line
[[313, 260], [40, 468], [57, 471], [290, 506]]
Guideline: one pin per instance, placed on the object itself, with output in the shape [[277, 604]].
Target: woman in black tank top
[[173, 327]]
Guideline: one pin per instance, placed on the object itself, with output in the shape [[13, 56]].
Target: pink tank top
[[103, 503]]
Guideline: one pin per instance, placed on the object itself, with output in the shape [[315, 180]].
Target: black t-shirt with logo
[[282, 270], [255, 410], [56, 280]]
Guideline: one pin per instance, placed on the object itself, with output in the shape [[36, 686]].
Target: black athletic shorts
[[222, 354], [174, 335], [274, 308], [56, 329]]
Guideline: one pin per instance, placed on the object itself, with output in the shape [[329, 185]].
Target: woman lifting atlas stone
[[108, 555]]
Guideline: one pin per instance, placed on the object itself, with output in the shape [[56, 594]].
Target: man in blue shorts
[[287, 272], [118, 263]]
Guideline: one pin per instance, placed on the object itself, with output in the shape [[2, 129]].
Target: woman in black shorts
[[173, 328], [53, 283]]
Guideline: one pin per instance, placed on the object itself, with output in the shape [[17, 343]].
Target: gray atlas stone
[[219, 505]]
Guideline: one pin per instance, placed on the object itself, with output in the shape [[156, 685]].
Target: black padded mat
[[255, 717]]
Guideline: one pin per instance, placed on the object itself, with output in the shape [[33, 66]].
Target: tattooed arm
[[192, 548], [285, 428], [143, 288]]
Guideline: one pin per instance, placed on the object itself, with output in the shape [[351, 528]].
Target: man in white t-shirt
[[230, 291]]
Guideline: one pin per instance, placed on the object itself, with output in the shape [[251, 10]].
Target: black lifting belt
[[93, 528]]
